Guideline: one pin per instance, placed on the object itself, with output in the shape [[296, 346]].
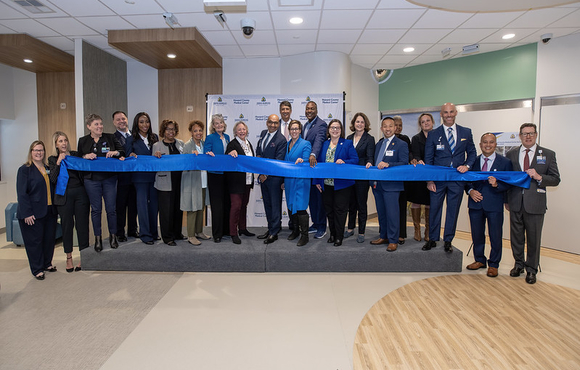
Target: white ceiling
[[373, 32]]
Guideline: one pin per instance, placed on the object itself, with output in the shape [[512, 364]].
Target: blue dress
[[297, 190]]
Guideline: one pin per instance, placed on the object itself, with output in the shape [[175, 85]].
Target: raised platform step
[[282, 256]]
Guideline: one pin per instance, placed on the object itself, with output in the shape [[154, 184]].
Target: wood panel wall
[[179, 88], [54, 89]]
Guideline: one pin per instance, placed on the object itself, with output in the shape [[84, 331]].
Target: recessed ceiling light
[[508, 36], [171, 56], [296, 20], [409, 49], [27, 60]]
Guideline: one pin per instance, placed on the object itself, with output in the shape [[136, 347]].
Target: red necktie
[[526, 161], [485, 164]]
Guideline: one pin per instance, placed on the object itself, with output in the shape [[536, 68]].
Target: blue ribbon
[[274, 167]]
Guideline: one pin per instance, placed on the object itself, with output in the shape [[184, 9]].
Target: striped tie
[[451, 140]]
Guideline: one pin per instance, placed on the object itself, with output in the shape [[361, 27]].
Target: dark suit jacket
[[365, 148], [276, 148], [316, 134], [31, 192], [85, 146], [533, 200], [464, 154], [345, 151], [138, 147], [418, 147], [493, 198], [124, 178], [74, 178], [400, 157], [237, 180]]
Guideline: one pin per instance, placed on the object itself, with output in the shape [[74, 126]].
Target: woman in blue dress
[[297, 190]]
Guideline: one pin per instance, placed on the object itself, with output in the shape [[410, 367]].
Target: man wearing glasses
[[528, 206]]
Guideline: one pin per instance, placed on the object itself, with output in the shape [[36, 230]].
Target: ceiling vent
[[34, 6]]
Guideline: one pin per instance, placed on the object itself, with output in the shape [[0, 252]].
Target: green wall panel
[[494, 76]]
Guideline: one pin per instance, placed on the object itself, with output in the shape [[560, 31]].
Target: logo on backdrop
[[329, 115], [263, 102]]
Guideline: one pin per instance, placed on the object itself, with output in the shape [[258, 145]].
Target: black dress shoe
[[113, 241], [430, 244], [271, 239], [172, 243], [531, 278], [264, 235], [217, 240], [122, 239], [331, 239], [246, 233], [98, 243], [236, 239], [448, 247], [516, 271], [338, 243], [133, 235], [401, 241], [150, 242]]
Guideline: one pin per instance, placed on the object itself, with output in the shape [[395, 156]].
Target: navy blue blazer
[[31, 192], [276, 148], [316, 134], [345, 151], [493, 198], [214, 144], [138, 147], [464, 154], [365, 148], [399, 157]]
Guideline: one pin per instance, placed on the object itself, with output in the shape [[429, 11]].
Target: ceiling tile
[[396, 18], [381, 36], [229, 51], [147, 21], [397, 59], [539, 18], [371, 49], [368, 59], [103, 24], [338, 36], [419, 49], [349, 4], [490, 20], [437, 48], [571, 20], [219, 38], [255, 5], [263, 21], [397, 4], [56, 12], [67, 26], [468, 36], [556, 32], [99, 41], [424, 36], [296, 36], [343, 48], [519, 33], [6, 30], [7, 12], [78, 8], [265, 37], [62, 43], [29, 26], [316, 4], [140, 7], [424, 59], [311, 19], [260, 50], [340, 19], [202, 21], [440, 19], [296, 49], [180, 6]]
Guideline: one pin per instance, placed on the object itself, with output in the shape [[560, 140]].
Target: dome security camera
[[546, 37], [248, 26]]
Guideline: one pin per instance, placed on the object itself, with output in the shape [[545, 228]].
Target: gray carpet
[[282, 256]]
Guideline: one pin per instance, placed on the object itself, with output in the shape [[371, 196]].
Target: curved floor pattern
[[500, 323]]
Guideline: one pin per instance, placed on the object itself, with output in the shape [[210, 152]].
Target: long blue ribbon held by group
[[279, 168]]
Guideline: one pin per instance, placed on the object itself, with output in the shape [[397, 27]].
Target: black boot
[[303, 223], [98, 243], [296, 231], [113, 241]]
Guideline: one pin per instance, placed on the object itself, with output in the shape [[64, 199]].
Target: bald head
[[273, 123], [448, 113]]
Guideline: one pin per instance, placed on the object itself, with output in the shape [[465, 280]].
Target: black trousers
[[336, 206], [39, 241], [126, 209], [402, 215], [219, 201], [358, 203], [170, 215], [75, 213]]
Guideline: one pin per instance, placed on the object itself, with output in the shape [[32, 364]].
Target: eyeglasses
[[528, 134], [335, 128]]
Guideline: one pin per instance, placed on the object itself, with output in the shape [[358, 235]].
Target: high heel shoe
[[78, 268], [69, 270], [98, 243]]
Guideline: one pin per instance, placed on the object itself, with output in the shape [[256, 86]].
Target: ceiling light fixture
[[508, 36], [27, 60], [171, 56], [409, 49], [470, 49], [171, 20], [296, 20], [224, 2], [445, 53]]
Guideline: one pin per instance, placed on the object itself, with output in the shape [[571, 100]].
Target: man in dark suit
[[390, 151], [126, 194], [315, 132], [528, 206], [272, 145], [448, 145], [486, 200]]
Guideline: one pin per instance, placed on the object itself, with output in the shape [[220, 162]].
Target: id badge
[[389, 153], [540, 159], [440, 147], [105, 149]]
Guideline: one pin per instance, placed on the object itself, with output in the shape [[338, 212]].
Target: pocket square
[[463, 139]]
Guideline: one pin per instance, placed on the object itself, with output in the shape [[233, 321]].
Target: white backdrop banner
[[254, 110]]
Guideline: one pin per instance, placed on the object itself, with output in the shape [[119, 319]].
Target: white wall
[[142, 92], [251, 76], [16, 135]]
